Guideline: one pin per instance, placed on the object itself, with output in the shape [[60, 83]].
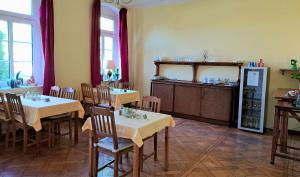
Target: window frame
[[37, 55], [113, 14]]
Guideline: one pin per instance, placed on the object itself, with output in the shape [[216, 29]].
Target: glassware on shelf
[[297, 102]]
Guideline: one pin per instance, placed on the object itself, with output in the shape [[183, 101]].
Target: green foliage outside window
[[4, 64]]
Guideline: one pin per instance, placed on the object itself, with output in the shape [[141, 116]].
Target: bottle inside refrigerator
[[252, 100]]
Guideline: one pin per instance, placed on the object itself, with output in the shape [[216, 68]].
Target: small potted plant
[[297, 76]]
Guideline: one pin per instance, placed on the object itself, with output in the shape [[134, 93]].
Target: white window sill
[[22, 89]]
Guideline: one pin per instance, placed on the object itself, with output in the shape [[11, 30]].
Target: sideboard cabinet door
[[165, 92], [187, 100], [216, 103]]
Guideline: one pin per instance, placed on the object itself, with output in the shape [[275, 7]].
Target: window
[[20, 46], [109, 41]]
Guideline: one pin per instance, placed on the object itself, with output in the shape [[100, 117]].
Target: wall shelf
[[195, 65], [283, 71]]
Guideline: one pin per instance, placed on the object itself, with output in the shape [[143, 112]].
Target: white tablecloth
[[138, 129], [36, 110], [119, 97]]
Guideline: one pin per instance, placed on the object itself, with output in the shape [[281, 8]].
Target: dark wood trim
[[283, 71], [291, 132], [195, 65], [199, 63], [198, 84], [196, 118]]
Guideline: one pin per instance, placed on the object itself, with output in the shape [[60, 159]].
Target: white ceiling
[[153, 3]]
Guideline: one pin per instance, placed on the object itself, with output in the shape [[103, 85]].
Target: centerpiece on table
[[131, 113]]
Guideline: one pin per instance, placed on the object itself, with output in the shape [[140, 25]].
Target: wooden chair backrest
[[105, 83], [87, 93], [103, 124], [151, 103], [68, 93], [103, 94], [114, 84], [127, 85], [55, 91], [15, 107], [3, 107]]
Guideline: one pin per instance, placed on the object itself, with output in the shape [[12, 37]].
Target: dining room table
[[137, 130], [40, 107], [121, 96]]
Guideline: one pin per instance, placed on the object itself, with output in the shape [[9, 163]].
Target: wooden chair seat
[[106, 106], [90, 101], [3, 116], [60, 116], [107, 144]]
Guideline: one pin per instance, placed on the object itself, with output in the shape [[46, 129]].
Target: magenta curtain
[[123, 34], [47, 31], [95, 43]]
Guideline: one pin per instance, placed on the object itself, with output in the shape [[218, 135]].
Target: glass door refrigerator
[[252, 100]]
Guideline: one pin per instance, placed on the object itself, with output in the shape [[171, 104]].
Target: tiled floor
[[196, 150]]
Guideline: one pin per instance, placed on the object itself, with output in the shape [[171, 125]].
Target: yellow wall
[[230, 30], [72, 42]]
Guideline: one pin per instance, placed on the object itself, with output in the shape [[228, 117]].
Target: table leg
[[136, 161], [166, 148], [284, 133], [76, 127], [275, 134], [38, 141], [91, 154]]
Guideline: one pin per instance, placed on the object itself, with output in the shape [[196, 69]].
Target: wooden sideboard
[[193, 100]]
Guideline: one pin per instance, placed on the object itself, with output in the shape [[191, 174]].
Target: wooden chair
[[88, 97], [104, 97], [56, 121], [127, 85], [105, 83], [150, 103], [19, 121], [55, 91], [114, 84], [4, 119], [106, 140]]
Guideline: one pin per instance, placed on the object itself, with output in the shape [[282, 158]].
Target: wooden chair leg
[[127, 156], [7, 135], [49, 135], [142, 158], [14, 137], [96, 162], [155, 147], [275, 135], [25, 139], [116, 165], [52, 133], [70, 131]]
